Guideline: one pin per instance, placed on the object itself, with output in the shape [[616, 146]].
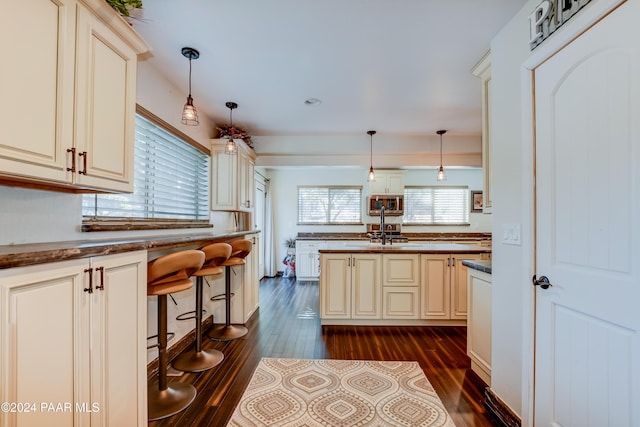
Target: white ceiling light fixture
[[441, 175], [189, 112], [231, 147], [372, 175]]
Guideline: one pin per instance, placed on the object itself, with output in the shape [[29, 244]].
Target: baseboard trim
[[499, 410], [181, 345]]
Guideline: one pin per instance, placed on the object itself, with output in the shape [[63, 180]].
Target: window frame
[[329, 188], [465, 200], [90, 224]]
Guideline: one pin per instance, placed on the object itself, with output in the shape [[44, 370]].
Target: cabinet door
[[395, 183], [37, 78], [401, 270], [246, 168], [118, 337], [366, 284], [400, 302], [251, 289], [435, 288], [308, 259], [41, 357], [335, 286], [223, 181], [459, 285], [105, 106]]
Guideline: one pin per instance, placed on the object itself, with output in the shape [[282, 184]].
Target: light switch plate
[[511, 234]]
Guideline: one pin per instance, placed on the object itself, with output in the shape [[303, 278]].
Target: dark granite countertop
[[411, 236], [406, 248], [41, 253], [480, 265]]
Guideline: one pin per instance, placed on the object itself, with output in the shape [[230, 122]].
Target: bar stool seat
[[200, 360], [240, 250], [168, 274]]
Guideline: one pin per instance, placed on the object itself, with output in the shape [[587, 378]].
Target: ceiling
[[397, 66]]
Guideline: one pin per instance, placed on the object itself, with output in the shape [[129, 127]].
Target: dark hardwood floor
[[287, 325]]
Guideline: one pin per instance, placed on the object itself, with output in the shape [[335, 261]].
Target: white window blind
[[329, 205], [171, 181], [436, 205]]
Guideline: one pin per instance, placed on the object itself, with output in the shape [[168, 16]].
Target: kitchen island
[[363, 283]]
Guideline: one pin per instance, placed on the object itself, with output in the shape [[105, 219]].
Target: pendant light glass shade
[[372, 175], [230, 147], [441, 175], [189, 112]]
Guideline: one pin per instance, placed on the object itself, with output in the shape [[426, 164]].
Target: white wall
[[513, 197], [510, 163], [284, 188]]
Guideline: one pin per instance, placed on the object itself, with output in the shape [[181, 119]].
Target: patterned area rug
[[336, 393]]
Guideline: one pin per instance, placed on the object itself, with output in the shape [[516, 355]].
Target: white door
[[587, 105], [259, 215]]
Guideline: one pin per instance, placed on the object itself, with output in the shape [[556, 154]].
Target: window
[[171, 182], [436, 205], [329, 205]]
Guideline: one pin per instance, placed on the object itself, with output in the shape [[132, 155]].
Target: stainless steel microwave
[[393, 204]]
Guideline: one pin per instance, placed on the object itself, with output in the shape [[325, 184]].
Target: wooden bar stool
[[239, 251], [168, 274], [201, 360]]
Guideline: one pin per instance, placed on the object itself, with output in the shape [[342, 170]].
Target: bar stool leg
[[199, 360], [227, 331], [166, 400]]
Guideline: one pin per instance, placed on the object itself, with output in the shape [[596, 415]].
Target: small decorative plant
[[125, 6], [290, 243]]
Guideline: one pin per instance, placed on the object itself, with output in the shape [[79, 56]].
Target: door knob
[[543, 282]]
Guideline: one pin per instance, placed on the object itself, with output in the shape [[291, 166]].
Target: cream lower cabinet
[[479, 323], [251, 288], [308, 259], [400, 286], [350, 286], [444, 286], [79, 134], [73, 338]]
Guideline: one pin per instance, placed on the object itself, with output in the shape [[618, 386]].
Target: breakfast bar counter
[[41, 253]]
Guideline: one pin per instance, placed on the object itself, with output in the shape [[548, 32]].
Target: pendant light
[[189, 112], [231, 147], [441, 176], [372, 175]]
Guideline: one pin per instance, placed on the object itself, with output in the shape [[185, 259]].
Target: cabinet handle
[[349, 262], [448, 262], [90, 288], [83, 154], [453, 263], [101, 270], [73, 159]]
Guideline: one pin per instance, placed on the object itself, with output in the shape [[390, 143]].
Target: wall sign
[[549, 15]]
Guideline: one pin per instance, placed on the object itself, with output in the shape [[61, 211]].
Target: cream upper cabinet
[[232, 186], [75, 332], [68, 95], [444, 286], [483, 71], [387, 182]]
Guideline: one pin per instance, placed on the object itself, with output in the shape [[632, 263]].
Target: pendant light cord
[[440, 150], [190, 76]]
